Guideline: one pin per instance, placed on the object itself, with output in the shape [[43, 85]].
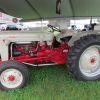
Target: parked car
[[12, 27]]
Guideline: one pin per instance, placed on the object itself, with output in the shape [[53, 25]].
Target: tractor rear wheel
[[83, 60], [13, 75]]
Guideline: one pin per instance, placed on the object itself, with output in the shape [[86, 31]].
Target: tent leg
[[42, 24], [91, 21]]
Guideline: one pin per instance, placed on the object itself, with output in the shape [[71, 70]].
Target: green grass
[[53, 83]]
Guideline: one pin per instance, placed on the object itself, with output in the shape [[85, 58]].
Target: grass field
[[54, 83]]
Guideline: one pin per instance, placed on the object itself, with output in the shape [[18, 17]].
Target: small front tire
[[13, 75]]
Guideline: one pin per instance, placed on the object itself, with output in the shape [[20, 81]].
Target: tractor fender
[[78, 35]]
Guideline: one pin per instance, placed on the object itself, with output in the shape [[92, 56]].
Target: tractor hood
[[25, 36]]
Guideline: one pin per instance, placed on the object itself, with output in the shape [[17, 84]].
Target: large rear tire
[[13, 75], [83, 60]]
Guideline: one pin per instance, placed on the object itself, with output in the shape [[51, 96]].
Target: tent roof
[[44, 9]]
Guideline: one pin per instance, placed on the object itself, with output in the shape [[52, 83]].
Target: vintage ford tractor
[[79, 51]]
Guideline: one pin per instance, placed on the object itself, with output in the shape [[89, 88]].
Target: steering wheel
[[54, 28]]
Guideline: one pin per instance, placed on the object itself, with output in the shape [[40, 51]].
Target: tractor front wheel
[[13, 75], [83, 60]]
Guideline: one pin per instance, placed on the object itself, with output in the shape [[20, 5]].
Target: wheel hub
[[90, 58], [11, 78]]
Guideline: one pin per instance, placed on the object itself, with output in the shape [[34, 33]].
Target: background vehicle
[[74, 27], [89, 27], [80, 53], [12, 27], [4, 27]]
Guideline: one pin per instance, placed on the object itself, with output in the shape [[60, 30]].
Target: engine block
[[39, 52]]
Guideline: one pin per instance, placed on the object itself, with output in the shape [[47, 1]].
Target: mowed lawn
[[53, 83]]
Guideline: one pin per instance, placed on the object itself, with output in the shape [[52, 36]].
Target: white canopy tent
[[46, 9]]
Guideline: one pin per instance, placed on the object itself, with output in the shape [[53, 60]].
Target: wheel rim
[[11, 78], [89, 62]]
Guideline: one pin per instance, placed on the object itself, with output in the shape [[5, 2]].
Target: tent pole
[[42, 24], [91, 21], [74, 21]]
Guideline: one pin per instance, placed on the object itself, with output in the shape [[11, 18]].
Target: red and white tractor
[[80, 52]]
